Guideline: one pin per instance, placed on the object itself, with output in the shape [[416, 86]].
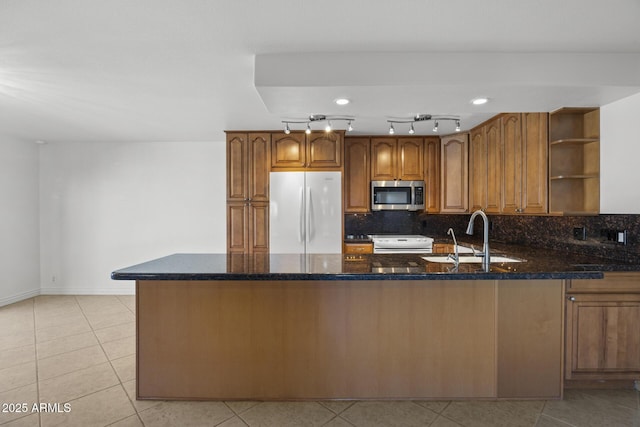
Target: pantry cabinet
[[248, 192], [356, 191], [399, 158], [299, 151], [602, 339]]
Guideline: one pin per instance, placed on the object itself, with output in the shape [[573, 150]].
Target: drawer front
[[358, 248], [626, 282]]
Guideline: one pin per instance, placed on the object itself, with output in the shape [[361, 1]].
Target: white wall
[[106, 206], [620, 156], [19, 233]]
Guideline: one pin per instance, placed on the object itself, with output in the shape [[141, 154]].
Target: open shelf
[[574, 141], [574, 161]]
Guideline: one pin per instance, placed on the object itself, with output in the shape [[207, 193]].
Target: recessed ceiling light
[[342, 101], [479, 101]]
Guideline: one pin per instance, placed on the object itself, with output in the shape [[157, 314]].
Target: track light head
[[308, 131], [411, 130], [457, 125], [350, 128], [391, 129], [287, 130], [435, 127]]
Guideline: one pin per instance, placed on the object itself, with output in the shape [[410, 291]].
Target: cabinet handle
[[571, 298]]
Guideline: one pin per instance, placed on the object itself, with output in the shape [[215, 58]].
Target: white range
[[401, 244]]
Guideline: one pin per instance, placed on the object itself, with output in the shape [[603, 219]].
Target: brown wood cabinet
[[358, 248], [248, 192], [400, 158], [298, 150], [602, 339], [357, 192], [508, 164], [485, 167], [494, 166], [247, 227], [574, 161], [432, 174], [525, 144], [348, 339], [454, 173], [478, 169]]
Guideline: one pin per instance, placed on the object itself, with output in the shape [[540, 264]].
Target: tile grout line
[[110, 364], [35, 350], [136, 379]]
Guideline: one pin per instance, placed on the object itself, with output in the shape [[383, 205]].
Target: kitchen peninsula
[[235, 326]]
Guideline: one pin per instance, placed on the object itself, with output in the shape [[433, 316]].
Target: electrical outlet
[[580, 233], [621, 237]]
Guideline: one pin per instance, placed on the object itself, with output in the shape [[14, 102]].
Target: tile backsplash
[[553, 232]]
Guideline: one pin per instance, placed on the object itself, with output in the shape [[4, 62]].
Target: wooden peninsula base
[[387, 339]]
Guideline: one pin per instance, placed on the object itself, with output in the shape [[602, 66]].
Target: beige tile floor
[[80, 351]]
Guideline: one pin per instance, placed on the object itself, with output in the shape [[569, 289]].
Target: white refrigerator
[[305, 214]]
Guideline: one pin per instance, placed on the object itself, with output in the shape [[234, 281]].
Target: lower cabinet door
[[602, 336], [247, 227]]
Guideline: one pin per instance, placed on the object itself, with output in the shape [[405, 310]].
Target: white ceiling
[[185, 70]]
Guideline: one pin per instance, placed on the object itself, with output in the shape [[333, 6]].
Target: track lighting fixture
[[422, 118], [319, 118]]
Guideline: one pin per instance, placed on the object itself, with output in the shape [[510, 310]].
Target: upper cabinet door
[[383, 159], [298, 151], [357, 191], [237, 165], [410, 159], [512, 142], [432, 174], [288, 151], [324, 150], [535, 151], [454, 193], [259, 157], [478, 169], [397, 159], [494, 167]]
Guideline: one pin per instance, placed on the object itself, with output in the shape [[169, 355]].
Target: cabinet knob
[[571, 298]]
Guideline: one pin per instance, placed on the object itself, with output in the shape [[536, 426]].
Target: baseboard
[[122, 289], [19, 297]]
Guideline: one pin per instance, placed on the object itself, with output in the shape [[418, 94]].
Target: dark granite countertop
[[538, 264]]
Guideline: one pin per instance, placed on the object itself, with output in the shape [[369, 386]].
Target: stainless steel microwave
[[397, 195]]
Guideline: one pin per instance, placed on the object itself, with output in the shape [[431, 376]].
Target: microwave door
[[391, 198]]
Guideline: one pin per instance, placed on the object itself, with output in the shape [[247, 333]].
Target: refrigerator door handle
[[310, 217], [301, 234]]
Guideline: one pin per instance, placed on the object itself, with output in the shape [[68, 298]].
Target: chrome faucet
[[456, 257], [485, 248]]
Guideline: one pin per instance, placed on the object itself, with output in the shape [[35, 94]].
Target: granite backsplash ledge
[[552, 232]]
